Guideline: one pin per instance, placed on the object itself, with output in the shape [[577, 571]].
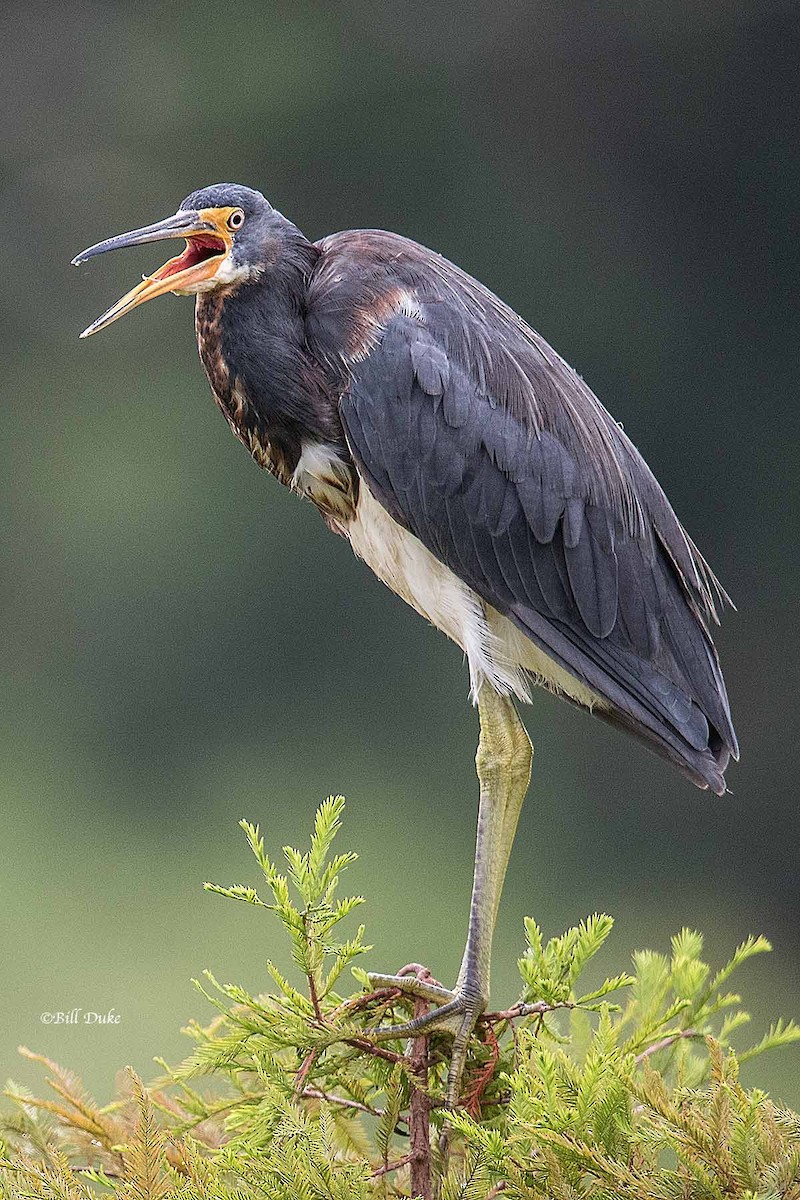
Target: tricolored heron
[[478, 476]]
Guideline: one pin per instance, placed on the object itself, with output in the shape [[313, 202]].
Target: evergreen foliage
[[629, 1089]]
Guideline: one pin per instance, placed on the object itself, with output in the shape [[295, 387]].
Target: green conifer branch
[[286, 1095]]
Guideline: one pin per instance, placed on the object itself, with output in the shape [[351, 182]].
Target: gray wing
[[479, 439]]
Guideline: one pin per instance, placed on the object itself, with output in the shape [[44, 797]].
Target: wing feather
[[472, 432]]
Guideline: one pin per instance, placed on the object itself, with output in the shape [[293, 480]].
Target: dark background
[[184, 643]]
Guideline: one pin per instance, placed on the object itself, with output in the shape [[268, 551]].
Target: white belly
[[496, 650]]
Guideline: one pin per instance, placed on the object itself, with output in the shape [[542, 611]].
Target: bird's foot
[[456, 1013]]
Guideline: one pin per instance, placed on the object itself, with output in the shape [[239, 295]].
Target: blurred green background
[[184, 643]]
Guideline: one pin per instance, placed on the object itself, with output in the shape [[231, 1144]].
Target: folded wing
[[479, 439]]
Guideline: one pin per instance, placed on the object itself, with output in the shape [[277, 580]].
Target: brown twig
[[419, 1127], [351, 1005], [302, 1073], [525, 1010], [313, 996], [361, 1043], [392, 1166], [666, 1042], [378, 1051], [312, 983], [364, 1000], [310, 1093]]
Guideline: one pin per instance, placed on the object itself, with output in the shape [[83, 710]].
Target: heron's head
[[226, 228]]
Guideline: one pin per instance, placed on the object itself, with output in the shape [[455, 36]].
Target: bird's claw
[[456, 1014]]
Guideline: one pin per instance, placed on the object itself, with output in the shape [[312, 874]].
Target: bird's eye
[[236, 219]]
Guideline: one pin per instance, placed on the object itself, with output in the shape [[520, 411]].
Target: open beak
[[208, 243]]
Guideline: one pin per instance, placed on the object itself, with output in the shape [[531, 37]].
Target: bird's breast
[[298, 454], [243, 417], [208, 327]]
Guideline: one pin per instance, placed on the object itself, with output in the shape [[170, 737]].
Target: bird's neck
[[254, 348]]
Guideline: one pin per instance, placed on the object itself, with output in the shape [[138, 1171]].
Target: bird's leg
[[503, 764]]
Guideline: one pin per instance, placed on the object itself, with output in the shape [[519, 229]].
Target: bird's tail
[[644, 699], [706, 768]]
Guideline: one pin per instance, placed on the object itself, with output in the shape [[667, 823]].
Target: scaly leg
[[503, 764]]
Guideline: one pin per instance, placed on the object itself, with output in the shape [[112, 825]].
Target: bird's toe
[[419, 988]]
